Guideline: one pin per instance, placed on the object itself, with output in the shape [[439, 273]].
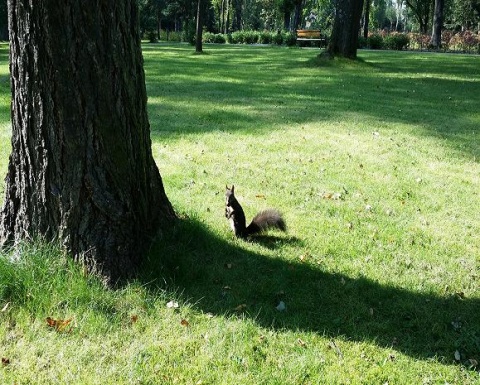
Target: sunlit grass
[[375, 167]]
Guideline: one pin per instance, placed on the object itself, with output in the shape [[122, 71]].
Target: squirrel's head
[[229, 194]]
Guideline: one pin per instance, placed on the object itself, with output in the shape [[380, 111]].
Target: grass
[[375, 166]]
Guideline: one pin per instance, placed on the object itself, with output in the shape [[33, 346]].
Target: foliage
[[374, 41], [290, 39], [217, 38], [396, 41]]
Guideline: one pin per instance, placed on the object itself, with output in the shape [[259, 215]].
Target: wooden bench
[[310, 35]]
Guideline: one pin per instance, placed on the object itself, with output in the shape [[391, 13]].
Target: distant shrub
[[265, 37], [209, 37], [362, 42], [251, 37], [152, 37], [170, 35], [237, 37], [375, 41], [396, 41], [277, 38], [290, 39]]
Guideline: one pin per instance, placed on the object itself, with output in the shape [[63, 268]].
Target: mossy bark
[[81, 168]]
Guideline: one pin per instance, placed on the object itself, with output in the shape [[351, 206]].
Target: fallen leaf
[[228, 265], [302, 343], [172, 305], [473, 362], [59, 325], [5, 361], [134, 318], [5, 307], [260, 196], [184, 322]]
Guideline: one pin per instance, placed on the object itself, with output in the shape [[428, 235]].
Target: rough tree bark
[[81, 168], [344, 38], [436, 40]]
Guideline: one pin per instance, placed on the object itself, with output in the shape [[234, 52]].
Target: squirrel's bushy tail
[[265, 220]]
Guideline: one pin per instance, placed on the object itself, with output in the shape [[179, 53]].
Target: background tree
[[344, 38], [466, 14], [436, 40], [81, 169], [422, 11], [199, 29], [366, 18]]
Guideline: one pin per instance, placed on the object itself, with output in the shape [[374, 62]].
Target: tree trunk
[[237, 20], [298, 15], [344, 39], [366, 18], [436, 40], [199, 30], [81, 169]]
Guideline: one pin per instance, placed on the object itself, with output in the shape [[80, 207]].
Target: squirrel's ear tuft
[[232, 188]]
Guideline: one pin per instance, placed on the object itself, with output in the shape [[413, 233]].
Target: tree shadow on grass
[[219, 275]]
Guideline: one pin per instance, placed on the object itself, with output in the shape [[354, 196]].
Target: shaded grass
[[375, 167]]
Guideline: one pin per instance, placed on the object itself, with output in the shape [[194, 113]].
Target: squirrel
[[263, 221]]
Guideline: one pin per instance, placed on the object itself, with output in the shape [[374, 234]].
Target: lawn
[[375, 166]]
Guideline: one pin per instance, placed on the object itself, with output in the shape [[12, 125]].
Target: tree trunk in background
[[344, 39], [366, 18], [436, 39], [81, 168], [297, 15], [199, 29]]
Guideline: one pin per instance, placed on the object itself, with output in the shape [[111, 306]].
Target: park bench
[[311, 35]]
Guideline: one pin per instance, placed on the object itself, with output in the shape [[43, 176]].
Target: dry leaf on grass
[[5, 361], [59, 325], [184, 322]]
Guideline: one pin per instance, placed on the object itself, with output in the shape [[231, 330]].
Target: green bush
[[251, 37], [375, 41], [362, 42], [209, 37], [265, 37], [396, 41], [290, 39], [237, 37], [170, 35], [277, 38], [152, 37]]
